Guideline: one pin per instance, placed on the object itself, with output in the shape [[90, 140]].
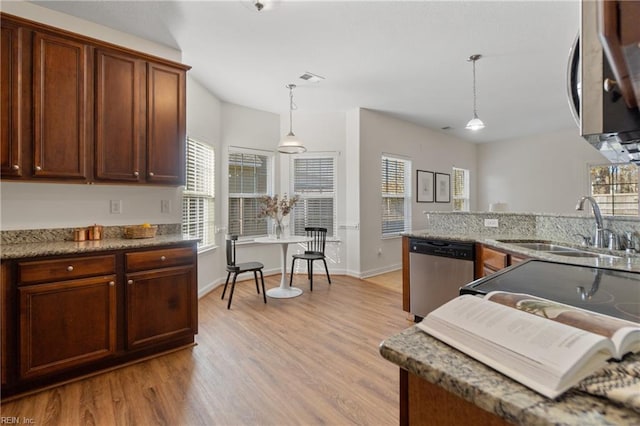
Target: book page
[[555, 345], [612, 328]]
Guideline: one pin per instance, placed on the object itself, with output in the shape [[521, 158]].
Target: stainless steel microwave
[[604, 78]]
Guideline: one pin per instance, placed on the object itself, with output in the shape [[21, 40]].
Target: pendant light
[[290, 144], [475, 123]]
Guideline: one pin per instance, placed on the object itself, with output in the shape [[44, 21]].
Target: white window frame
[[599, 197], [198, 197], [333, 232], [269, 157], [465, 189], [406, 196]]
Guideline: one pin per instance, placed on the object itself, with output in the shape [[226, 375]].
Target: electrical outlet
[[165, 206], [115, 206], [491, 223]]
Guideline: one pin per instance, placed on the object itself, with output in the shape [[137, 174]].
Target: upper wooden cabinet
[[119, 116], [11, 152], [75, 109], [60, 107], [166, 126]]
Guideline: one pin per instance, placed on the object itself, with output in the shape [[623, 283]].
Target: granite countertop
[[452, 370], [614, 259], [50, 248]]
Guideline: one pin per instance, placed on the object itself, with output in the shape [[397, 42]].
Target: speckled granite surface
[[438, 363], [50, 248]]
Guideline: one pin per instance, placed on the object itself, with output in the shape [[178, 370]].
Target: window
[[396, 195], [314, 181], [460, 190], [198, 196], [249, 177], [615, 188]]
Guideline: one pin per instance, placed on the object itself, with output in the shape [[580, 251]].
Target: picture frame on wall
[[424, 186], [443, 188]]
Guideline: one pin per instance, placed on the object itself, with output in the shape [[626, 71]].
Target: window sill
[[206, 249]]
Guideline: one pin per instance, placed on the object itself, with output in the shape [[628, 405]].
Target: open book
[[546, 346]]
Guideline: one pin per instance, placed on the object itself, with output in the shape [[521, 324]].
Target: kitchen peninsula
[[440, 385]]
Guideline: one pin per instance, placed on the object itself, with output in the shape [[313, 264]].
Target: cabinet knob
[[151, 174], [15, 167], [609, 84], [38, 168], [163, 258], [136, 173], [130, 282], [69, 268], [112, 283]]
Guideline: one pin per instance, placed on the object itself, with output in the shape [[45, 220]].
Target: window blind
[[314, 182], [248, 183], [198, 196], [460, 189], [395, 195]]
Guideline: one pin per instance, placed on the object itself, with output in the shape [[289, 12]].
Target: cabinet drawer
[[65, 269], [159, 258], [494, 259]]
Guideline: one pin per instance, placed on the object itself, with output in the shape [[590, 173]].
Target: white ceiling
[[404, 58]]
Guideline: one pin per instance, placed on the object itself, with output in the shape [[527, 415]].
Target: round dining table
[[283, 291]]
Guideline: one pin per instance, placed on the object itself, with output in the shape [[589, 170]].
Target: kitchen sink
[[557, 249], [543, 246]]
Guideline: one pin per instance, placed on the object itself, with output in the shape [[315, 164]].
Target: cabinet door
[[10, 146], [60, 81], [166, 131], [118, 116], [161, 305], [66, 324]]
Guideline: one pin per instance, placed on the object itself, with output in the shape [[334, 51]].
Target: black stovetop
[[607, 291]]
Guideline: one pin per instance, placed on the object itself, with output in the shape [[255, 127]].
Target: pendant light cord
[[475, 110]]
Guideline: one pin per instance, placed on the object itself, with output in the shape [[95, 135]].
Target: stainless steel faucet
[[598, 239]]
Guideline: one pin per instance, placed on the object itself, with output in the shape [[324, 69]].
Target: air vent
[[445, 128], [313, 78]]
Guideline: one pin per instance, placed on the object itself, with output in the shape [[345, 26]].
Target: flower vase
[[278, 229]]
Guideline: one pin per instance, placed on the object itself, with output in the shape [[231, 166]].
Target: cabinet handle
[[136, 173], [130, 282], [38, 168], [163, 258], [16, 167], [112, 283], [151, 174], [69, 268]]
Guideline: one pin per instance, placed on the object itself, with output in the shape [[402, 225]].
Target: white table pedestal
[[283, 291]]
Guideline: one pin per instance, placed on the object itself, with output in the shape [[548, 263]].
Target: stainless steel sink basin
[[543, 247], [557, 249]]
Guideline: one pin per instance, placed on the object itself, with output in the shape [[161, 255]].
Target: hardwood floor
[[304, 361]]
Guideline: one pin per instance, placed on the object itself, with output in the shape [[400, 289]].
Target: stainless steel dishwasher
[[437, 270]]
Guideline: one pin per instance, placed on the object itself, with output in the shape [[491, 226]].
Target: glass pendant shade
[[475, 123], [290, 144]]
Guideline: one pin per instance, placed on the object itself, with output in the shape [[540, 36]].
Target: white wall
[[427, 150], [543, 174], [204, 124]]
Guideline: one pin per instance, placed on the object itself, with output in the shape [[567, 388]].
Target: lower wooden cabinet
[[490, 260], [64, 317], [66, 324], [160, 305]]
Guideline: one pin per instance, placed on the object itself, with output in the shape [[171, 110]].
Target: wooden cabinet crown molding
[[34, 25]]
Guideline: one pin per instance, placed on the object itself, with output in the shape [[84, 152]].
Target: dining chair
[[239, 268], [314, 251]]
